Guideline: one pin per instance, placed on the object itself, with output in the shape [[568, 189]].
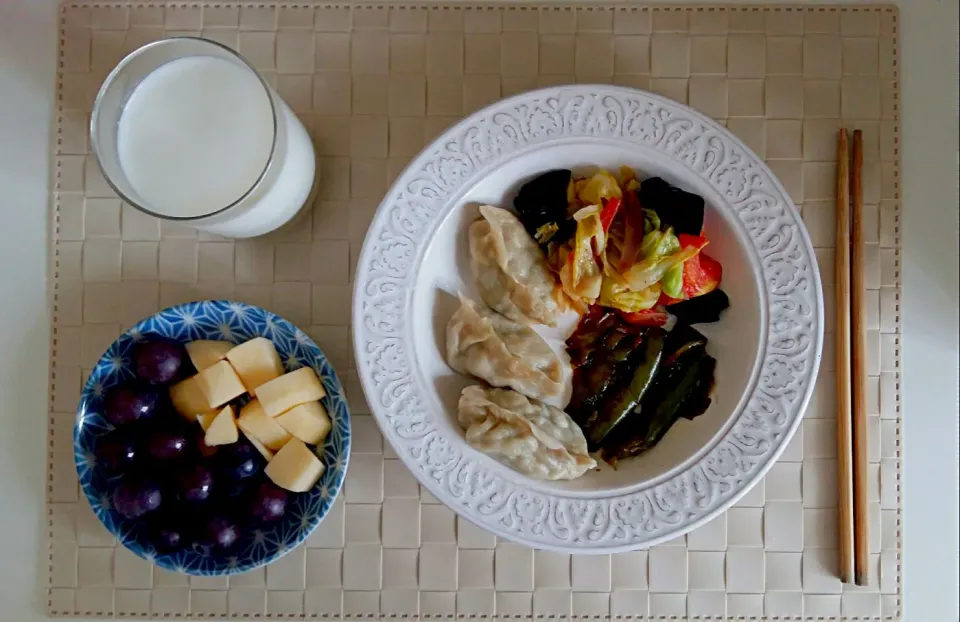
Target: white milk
[[194, 137]]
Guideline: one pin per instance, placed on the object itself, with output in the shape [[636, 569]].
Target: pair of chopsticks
[[851, 366]]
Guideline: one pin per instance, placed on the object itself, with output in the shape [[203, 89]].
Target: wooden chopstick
[[861, 522], [844, 415]]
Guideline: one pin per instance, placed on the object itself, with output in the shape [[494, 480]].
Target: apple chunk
[[205, 353], [289, 390], [264, 451], [188, 399], [308, 422], [222, 430], [205, 419], [256, 362], [256, 424], [295, 467], [219, 384]]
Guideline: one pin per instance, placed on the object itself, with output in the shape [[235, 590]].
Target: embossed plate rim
[[605, 523]]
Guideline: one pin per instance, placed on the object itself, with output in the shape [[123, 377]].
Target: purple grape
[[194, 485], [269, 503], [127, 404], [166, 445], [170, 529], [158, 360], [235, 490], [115, 451], [241, 460], [167, 539], [222, 532], [169, 415], [201, 447], [135, 497]]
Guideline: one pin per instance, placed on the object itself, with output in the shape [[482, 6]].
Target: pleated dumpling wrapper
[[485, 344], [511, 271], [531, 437]]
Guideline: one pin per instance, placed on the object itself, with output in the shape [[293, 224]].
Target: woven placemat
[[374, 84]]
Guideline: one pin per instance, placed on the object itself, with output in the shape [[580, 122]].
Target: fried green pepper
[[682, 390], [612, 410]]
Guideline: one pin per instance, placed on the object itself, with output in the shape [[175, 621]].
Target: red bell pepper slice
[[701, 275], [686, 240], [609, 211], [654, 316], [666, 301]]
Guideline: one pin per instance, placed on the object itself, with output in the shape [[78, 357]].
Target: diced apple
[[295, 467], [256, 362], [188, 399], [256, 424], [289, 390], [308, 422], [203, 353], [265, 452], [205, 419], [219, 384], [222, 430]]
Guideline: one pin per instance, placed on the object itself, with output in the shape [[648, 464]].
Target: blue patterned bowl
[[235, 322]]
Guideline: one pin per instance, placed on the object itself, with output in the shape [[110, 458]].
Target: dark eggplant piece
[[681, 389], [542, 207], [676, 208], [681, 340], [615, 359], [685, 393], [599, 349], [614, 408], [701, 309], [588, 335]]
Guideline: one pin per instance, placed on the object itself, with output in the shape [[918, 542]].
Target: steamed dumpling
[[487, 345], [534, 438], [511, 271]]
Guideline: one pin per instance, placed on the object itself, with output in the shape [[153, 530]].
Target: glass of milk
[[186, 130]]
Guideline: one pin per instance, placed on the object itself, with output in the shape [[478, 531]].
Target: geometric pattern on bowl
[[226, 321]]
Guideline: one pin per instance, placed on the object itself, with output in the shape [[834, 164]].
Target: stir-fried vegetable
[[674, 279], [542, 206], [609, 212], [628, 253], [681, 388], [599, 349], [650, 317], [580, 275], [672, 282], [614, 409], [591, 382], [653, 268], [630, 384], [619, 243], [597, 188], [618, 296], [677, 208], [701, 275], [627, 235], [584, 341]]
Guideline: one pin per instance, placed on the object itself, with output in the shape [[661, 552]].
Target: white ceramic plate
[[767, 345]]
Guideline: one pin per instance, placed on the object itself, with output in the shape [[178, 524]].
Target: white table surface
[[930, 228]]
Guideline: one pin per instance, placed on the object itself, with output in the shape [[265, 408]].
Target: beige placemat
[[374, 84]]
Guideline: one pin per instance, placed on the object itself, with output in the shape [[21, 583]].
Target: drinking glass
[[271, 198]]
